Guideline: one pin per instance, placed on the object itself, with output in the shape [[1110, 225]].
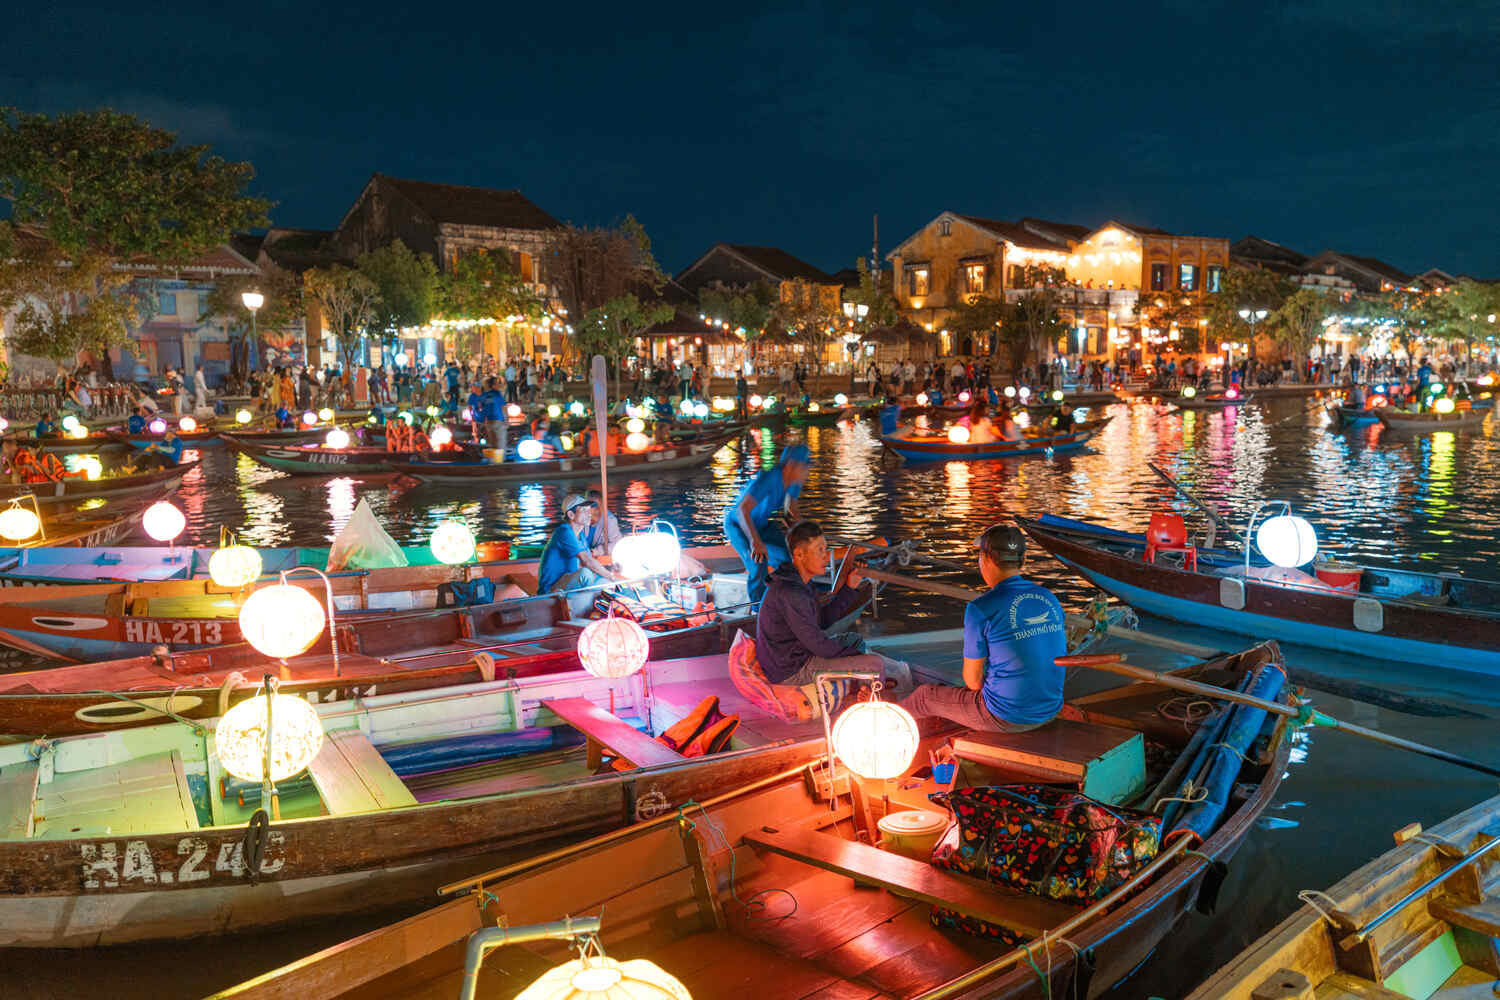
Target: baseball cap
[[1003, 543], [574, 500], [795, 453]]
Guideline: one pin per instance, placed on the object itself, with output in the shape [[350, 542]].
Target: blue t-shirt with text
[[1017, 629], [559, 557]]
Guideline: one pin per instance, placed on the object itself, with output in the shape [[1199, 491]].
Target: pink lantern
[[613, 647]]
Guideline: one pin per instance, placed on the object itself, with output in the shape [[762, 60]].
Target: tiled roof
[[1256, 248], [1380, 267], [779, 263], [299, 249], [1056, 230], [473, 206], [1014, 232]]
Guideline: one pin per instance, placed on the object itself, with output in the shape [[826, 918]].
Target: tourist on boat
[[163, 454], [284, 418], [22, 465], [760, 545], [790, 642], [138, 421], [1007, 427], [1013, 635], [890, 415], [45, 427], [566, 562], [492, 412], [604, 527], [981, 428]]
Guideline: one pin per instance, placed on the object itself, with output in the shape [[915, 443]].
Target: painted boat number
[[198, 632], [105, 866]]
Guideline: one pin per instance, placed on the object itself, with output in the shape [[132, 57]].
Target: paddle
[[1305, 715], [1212, 515]]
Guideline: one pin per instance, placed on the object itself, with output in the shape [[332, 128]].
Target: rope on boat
[[753, 906], [257, 833], [1190, 713], [1311, 897], [1195, 794]]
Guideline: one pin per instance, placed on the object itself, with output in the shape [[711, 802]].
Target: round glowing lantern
[[433, 411], [599, 977], [281, 620], [529, 449], [647, 553], [453, 543], [69, 422], [79, 433], [1436, 388], [876, 739], [554, 411], [575, 408], [1010, 392], [1231, 393], [4, 425], [1057, 395], [163, 521], [1287, 540], [635, 425], [296, 737], [440, 437], [18, 524], [1023, 392], [187, 425], [90, 466], [1444, 405], [336, 438], [243, 416], [1189, 391], [770, 401], [613, 647], [841, 399], [406, 417], [466, 414], [309, 418], [686, 406], [157, 426], [401, 359], [235, 566], [430, 359], [958, 434], [566, 441], [1378, 402], [813, 407], [700, 409], [964, 397], [755, 401], [637, 441], [512, 410], [922, 399]]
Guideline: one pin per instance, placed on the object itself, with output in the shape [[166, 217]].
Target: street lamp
[[854, 313], [252, 300], [1250, 316]]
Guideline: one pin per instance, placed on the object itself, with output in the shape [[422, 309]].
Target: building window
[[918, 281], [168, 304], [945, 228], [1213, 281], [1187, 277], [524, 259], [974, 277], [1158, 277]]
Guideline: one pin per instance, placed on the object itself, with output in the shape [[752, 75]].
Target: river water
[[1423, 502]]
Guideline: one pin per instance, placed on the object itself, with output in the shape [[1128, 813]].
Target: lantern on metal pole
[[252, 300], [268, 740], [600, 374]]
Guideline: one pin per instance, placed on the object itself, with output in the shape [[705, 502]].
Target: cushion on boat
[[1042, 839], [784, 701]]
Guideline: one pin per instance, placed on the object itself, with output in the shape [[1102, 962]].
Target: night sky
[[1372, 128]]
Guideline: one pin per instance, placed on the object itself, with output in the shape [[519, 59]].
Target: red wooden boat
[[156, 483]]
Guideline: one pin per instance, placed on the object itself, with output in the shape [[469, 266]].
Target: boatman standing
[[761, 545], [1013, 635]]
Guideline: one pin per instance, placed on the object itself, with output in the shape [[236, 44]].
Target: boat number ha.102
[[195, 632], [109, 866]]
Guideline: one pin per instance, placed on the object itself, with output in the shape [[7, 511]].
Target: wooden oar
[[1305, 715], [1212, 514]]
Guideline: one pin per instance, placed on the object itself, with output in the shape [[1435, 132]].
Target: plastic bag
[[364, 544]]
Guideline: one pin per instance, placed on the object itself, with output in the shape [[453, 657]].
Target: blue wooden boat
[[201, 438], [1387, 614], [1353, 416], [935, 446]]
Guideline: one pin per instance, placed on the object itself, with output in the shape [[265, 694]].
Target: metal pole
[[1416, 894], [601, 433], [333, 634], [484, 941]]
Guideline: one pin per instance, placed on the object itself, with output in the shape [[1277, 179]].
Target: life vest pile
[[42, 467]]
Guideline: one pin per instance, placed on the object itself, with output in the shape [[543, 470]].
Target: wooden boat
[[157, 482], [95, 442], [291, 435], [316, 460], [1390, 614], [203, 437], [70, 531], [488, 474], [1429, 421], [1418, 921], [710, 428], [825, 415], [1353, 416], [935, 447], [672, 889], [1217, 402]]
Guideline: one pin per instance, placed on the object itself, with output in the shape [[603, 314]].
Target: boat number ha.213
[[194, 631]]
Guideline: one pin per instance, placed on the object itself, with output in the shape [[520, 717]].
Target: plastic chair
[[1168, 533]]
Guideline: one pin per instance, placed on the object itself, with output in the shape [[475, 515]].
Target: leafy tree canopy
[[747, 307], [406, 286], [347, 299]]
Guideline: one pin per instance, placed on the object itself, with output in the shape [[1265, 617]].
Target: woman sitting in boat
[[981, 428], [26, 466], [1009, 430]]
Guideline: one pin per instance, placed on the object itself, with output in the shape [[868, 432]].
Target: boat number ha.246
[[194, 631], [132, 865]]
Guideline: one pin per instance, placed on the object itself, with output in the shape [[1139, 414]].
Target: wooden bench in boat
[[17, 798], [140, 795], [1031, 915], [606, 732], [352, 777]]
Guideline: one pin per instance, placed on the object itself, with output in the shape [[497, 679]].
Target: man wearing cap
[[567, 563], [747, 522], [1013, 635]]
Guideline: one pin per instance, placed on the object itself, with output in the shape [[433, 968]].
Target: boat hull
[[302, 460], [1210, 402], [1427, 423], [686, 455], [159, 482], [942, 450]]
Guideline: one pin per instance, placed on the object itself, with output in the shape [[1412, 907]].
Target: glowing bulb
[[566, 441], [433, 411], [466, 414], [309, 418], [755, 401], [876, 739], [78, 433], [1189, 391], [18, 523], [440, 437], [512, 410], [841, 400], [69, 422], [325, 414], [90, 466], [1436, 388], [157, 426], [1057, 395], [1444, 405], [243, 416], [637, 441], [813, 407], [700, 409], [647, 553], [575, 408], [922, 399], [686, 406], [163, 522], [187, 425], [235, 566], [1010, 392], [1231, 393], [1287, 540], [635, 425], [281, 620], [598, 977], [336, 438], [430, 359], [613, 647], [453, 543], [964, 396], [958, 434], [296, 737], [1023, 392], [554, 411], [529, 449]]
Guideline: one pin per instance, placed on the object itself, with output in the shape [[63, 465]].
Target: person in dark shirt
[[791, 645], [45, 428]]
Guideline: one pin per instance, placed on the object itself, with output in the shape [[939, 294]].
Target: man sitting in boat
[[604, 527], [1013, 636], [747, 522], [890, 416], [138, 421], [163, 454], [45, 428], [567, 563], [790, 643]]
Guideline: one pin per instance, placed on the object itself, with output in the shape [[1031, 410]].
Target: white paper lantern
[[163, 522], [554, 410], [529, 449], [575, 408], [90, 466], [453, 543], [637, 441], [1287, 540], [70, 422], [336, 438], [755, 401], [157, 426], [841, 399], [1444, 405], [921, 399], [296, 737], [635, 425], [325, 414], [876, 739], [440, 436], [281, 620], [309, 418], [187, 425], [512, 410], [647, 553], [235, 566], [598, 977], [613, 647], [958, 434], [243, 416], [19, 524], [80, 432]]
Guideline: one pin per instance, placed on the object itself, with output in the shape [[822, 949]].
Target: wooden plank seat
[[352, 777], [17, 798], [607, 732], [141, 795], [1028, 914]]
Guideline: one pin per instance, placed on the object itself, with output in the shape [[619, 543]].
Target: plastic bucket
[[1342, 576], [912, 832], [493, 551]]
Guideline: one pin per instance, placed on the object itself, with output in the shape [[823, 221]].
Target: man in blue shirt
[[138, 421], [890, 416], [760, 545], [45, 428], [164, 453], [567, 563], [1013, 636], [492, 413]]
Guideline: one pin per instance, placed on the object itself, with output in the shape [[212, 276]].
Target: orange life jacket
[[42, 468]]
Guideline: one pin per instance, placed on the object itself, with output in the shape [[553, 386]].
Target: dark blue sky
[[1368, 127]]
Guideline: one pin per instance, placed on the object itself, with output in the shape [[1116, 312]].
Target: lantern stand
[[333, 634], [824, 702], [1284, 508], [267, 786]]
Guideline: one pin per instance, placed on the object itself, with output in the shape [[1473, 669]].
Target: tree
[[1166, 311], [1031, 323], [347, 300], [805, 311], [611, 330], [1250, 288], [593, 266], [1469, 306], [1298, 323], [484, 287], [92, 194], [283, 306], [406, 285], [980, 317], [748, 308]]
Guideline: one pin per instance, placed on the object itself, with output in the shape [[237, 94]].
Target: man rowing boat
[[761, 545]]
